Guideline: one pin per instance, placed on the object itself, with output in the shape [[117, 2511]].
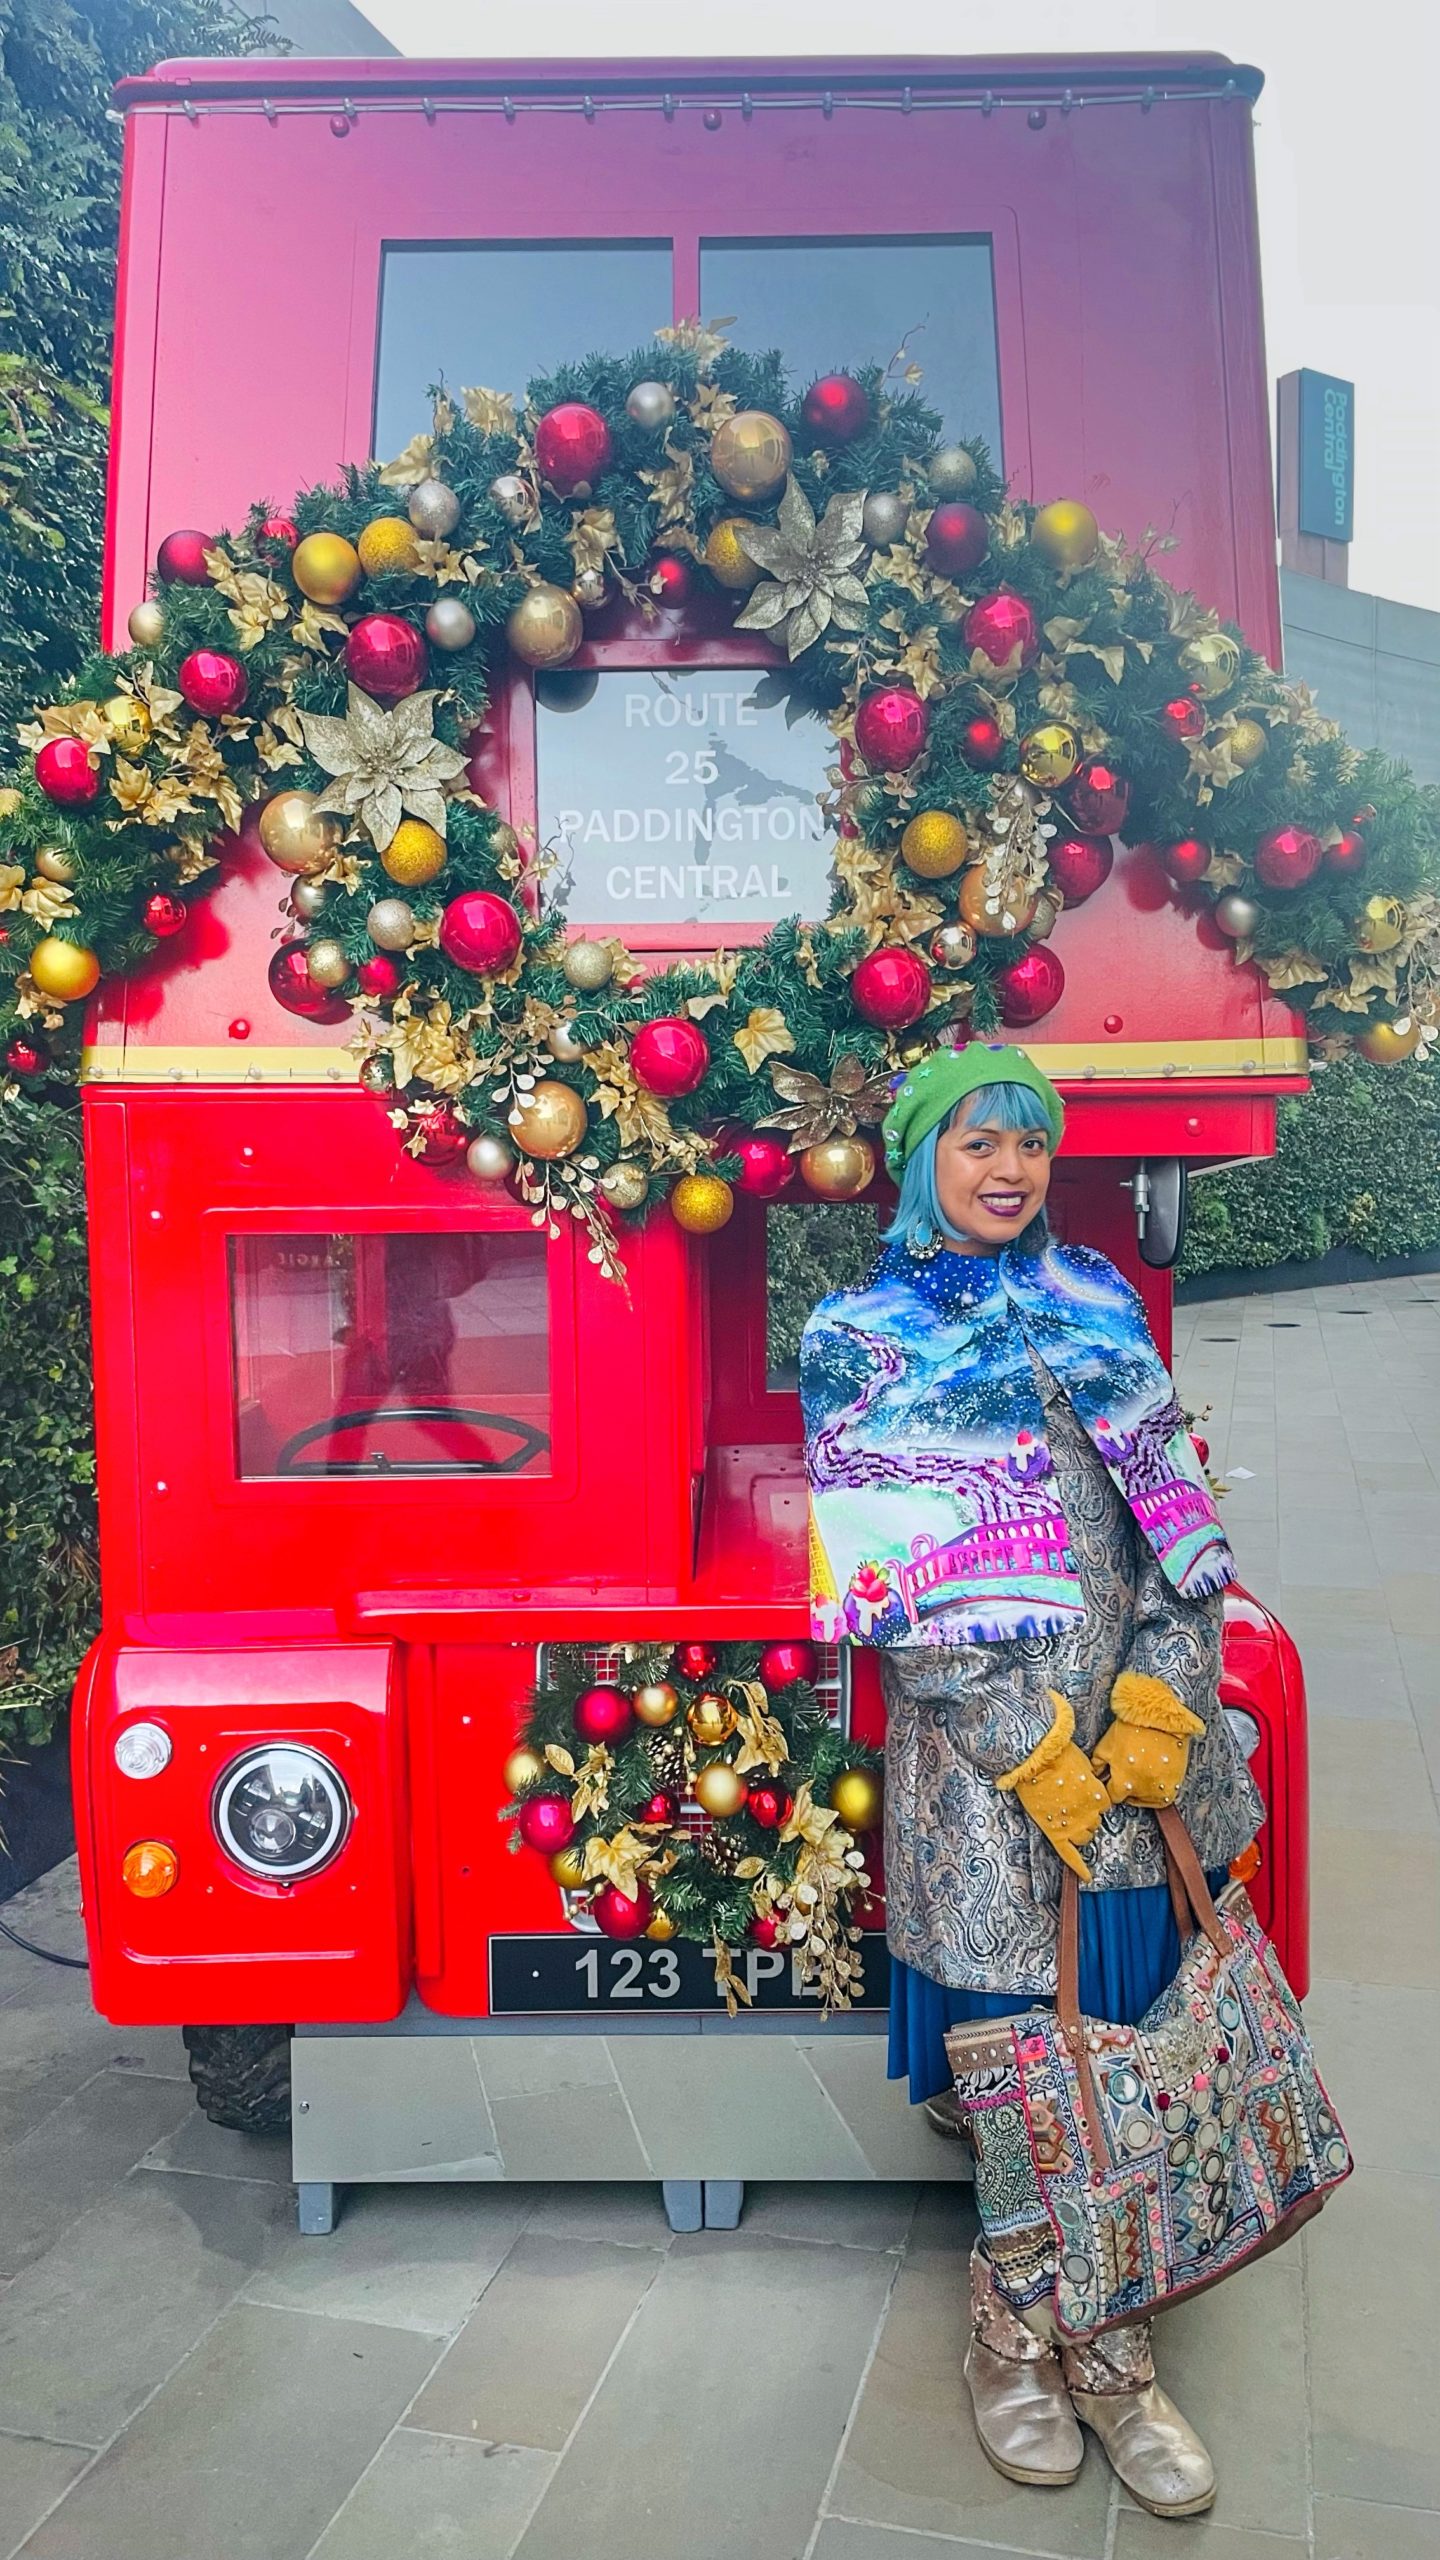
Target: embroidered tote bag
[[1120, 2169]]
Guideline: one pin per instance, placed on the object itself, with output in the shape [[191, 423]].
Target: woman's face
[[990, 1182]]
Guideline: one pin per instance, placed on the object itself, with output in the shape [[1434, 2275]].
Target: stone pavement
[[543, 2372]]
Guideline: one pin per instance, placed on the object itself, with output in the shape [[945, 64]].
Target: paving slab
[[524, 2366], [1390, 2116], [1375, 1907], [1144, 2537], [438, 2498], [409, 2257], [32, 2477], [74, 2155], [1373, 2261], [1348, 2530], [1234, 2359]]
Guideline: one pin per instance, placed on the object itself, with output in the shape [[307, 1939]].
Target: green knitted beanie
[[930, 1092]]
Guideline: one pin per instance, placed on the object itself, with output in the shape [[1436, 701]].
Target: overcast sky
[[1346, 152]]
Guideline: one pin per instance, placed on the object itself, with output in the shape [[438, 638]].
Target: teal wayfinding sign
[[1327, 456]]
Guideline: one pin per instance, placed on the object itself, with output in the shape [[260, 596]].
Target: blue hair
[[919, 1218]]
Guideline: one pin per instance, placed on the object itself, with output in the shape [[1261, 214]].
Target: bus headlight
[[142, 1750], [281, 1811], [1245, 1729]]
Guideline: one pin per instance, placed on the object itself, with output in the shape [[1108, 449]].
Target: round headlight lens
[[1245, 1729], [281, 1811], [142, 1750]]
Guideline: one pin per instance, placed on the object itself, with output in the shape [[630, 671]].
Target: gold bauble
[[701, 1202], [661, 1928], [549, 1121], [56, 862], [545, 627], [1049, 755], [11, 802], [1212, 663], [712, 1720], [327, 963], [719, 1790], [1066, 534], [128, 722], [296, 836], [1387, 1044], [750, 455], [414, 856], [326, 568], [656, 1703], [146, 624], [391, 924], [953, 947], [726, 557], [1247, 743], [934, 844], [588, 966], [590, 589], [562, 1044], [490, 1159], [1380, 925], [858, 1796], [567, 1866], [1014, 914], [65, 971], [625, 1183], [386, 548], [952, 472], [524, 1768], [839, 1168]]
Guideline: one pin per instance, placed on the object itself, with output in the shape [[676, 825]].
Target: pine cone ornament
[[665, 1752], [722, 1851]]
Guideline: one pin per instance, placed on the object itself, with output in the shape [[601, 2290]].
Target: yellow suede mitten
[[1059, 1790], [1145, 1753]]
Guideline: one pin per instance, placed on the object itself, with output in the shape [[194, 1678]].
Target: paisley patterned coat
[[972, 1887]]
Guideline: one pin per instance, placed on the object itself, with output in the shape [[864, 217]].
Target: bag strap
[[1182, 1866]]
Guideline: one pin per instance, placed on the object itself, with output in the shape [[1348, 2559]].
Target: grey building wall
[[1372, 665], [316, 28]]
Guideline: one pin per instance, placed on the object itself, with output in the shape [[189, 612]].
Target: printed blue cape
[[933, 1514]]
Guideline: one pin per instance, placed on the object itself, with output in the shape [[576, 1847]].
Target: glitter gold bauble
[[839, 1168], [545, 627], [524, 1768], [326, 962], [952, 472], [11, 801], [953, 947], [128, 722], [588, 966], [1388, 1044], [1013, 915], [701, 1203], [296, 836], [386, 548], [885, 518], [549, 1121], [934, 844], [726, 557], [1066, 534], [1247, 743], [625, 1183], [568, 1868], [326, 568], [661, 1928], [1380, 924], [490, 1159], [1212, 663], [1049, 755], [146, 624], [414, 856], [656, 1703], [56, 862], [858, 1796], [750, 455], [391, 924], [719, 1790], [711, 1720], [433, 509], [65, 971]]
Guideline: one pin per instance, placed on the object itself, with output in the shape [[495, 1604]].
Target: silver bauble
[[307, 899], [952, 472], [587, 966], [434, 509], [510, 494], [590, 590], [651, 404], [391, 924], [450, 624], [1047, 915], [561, 1042], [327, 963], [490, 1159], [377, 1073], [146, 625], [1237, 915], [624, 1183], [885, 518]]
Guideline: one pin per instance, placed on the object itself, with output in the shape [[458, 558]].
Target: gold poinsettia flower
[[12, 881], [47, 899], [412, 466], [811, 582], [619, 1860], [814, 1111], [490, 413], [705, 340], [383, 763], [254, 599]]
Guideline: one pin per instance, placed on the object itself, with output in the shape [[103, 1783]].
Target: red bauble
[[29, 1059], [837, 407], [982, 742], [890, 988], [793, 1658], [765, 1929], [443, 1136], [386, 656], [180, 560], [957, 539], [480, 931], [1001, 627], [212, 682], [292, 986], [572, 446], [280, 529], [891, 728], [163, 915], [1186, 859], [766, 1165], [1201, 1447], [380, 975], [771, 1806], [1097, 797], [1030, 987], [623, 1915], [670, 1056], [603, 1715], [671, 580], [695, 1661], [1286, 857], [1346, 855], [661, 1807], [546, 1822], [1079, 865], [1182, 718], [65, 772]]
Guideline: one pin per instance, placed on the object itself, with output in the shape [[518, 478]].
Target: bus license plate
[[587, 1974]]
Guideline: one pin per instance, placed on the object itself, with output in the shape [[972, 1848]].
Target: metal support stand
[[684, 2203], [724, 2198], [318, 2201]]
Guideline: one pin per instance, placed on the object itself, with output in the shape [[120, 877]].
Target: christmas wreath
[[704, 1794], [1009, 688]]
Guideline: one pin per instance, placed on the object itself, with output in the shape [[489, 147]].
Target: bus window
[[935, 295], [406, 1354], [811, 1249]]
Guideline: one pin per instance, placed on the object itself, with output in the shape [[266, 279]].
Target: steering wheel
[[528, 1442]]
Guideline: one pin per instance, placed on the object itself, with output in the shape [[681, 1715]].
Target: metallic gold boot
[[1023, 2416], [1153, 2450]]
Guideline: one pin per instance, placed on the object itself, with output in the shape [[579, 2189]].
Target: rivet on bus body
[[239, 1028], [1037, 119], [465, 1719], [247, 1153], [1169, 1068], [156, 1217], [1113, 1022], [1192, 1126], [162, 1487], [712, 119]]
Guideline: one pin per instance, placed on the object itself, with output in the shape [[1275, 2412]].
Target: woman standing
[[1006, 1502]]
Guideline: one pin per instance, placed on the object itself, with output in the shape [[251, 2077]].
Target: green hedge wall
[[1357, 1162]]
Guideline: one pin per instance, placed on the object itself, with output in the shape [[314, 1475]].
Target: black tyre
[[241, 2076]]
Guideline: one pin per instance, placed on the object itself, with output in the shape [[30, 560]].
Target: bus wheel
[[241, 2076]]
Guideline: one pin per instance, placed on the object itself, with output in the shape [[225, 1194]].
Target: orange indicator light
[[150, 1868]]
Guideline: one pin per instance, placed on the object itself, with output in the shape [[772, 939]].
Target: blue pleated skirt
[[1129, 1951]]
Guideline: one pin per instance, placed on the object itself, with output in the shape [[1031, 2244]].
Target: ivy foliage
[[1357, 1162]]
